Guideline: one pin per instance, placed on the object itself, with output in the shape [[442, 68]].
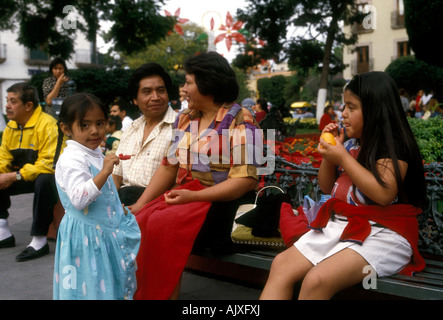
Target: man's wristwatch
[[18, 176]]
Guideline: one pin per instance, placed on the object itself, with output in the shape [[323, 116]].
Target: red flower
[[178, 21], [231, 29]]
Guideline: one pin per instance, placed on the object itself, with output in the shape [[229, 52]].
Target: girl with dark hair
[[208, 182], [376, 180], [56, 85], [97, 240]]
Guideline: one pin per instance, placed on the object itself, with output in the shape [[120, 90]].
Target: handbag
[[258, 223]]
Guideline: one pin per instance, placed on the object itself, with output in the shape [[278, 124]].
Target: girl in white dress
[[98, 240]]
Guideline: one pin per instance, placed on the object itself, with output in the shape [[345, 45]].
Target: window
[[403, 49], [362, 59], [398, 15]]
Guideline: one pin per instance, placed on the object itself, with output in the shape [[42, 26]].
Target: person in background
[[418, 107], [260, 109], [2, 122], [120, 109], [404, 99], [26, 166], [56, 85], [183, 99], [327, 117], [114, 132]]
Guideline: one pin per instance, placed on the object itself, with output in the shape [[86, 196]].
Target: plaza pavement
[[32, 280]]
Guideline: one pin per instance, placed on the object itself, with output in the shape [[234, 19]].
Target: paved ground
[[32, 280]]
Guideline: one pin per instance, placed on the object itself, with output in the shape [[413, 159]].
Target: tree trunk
[[322, 91]]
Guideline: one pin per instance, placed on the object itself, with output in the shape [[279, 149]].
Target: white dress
[[97, 243]]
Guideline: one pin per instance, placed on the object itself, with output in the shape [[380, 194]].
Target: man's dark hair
[[122, 104], [26, 92], [148, 70]]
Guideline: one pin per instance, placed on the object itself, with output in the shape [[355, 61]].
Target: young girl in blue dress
[[98, 239]]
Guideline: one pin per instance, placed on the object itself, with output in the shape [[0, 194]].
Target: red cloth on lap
[[168, 233]]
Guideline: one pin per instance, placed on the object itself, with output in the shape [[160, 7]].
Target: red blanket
[[168, 233], [400, 218]]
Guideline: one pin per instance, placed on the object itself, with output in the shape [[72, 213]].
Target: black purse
[[258, 223]]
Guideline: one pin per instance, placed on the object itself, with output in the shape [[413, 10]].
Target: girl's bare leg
[[175, 294], [340, 271], [287, 269]]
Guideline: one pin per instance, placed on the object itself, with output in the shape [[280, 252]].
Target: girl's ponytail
[[60, 140]]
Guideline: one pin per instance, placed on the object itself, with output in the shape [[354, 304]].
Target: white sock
[[4, 229], [38, 242]]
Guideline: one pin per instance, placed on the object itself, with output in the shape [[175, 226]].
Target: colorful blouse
[[344, 188], [227, 149]]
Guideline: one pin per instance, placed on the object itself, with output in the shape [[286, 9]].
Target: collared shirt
[[126, 123], [146, 156], [225, 150]]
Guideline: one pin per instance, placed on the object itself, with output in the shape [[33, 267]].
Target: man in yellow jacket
[[26, 166]]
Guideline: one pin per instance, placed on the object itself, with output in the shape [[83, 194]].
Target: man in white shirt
[[147, 139], [427, 97], [183, 101], [119, 108]]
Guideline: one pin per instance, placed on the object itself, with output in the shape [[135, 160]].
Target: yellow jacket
[[30, 149]]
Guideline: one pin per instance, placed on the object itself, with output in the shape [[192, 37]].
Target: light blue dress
[[96, 251]]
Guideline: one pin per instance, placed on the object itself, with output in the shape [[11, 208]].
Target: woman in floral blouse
[[209, 163]]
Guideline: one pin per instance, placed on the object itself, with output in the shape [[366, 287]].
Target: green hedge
[[429, 136]]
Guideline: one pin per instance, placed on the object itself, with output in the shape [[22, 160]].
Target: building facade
[[18, 63], [382, 37]]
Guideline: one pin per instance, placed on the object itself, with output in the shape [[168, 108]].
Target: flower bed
[[299, 150]]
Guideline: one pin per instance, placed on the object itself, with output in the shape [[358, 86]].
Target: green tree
[[413, 74], [173, 50], [40, 27], [137, 24], [423, 21], [47, 25], [8, 8], [270, 19], [272, 89]]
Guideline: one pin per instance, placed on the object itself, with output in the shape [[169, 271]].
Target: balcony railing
[[36, 57], [397, 20], [85, 58]]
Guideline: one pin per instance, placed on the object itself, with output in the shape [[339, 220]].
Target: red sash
[[400, 218]]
